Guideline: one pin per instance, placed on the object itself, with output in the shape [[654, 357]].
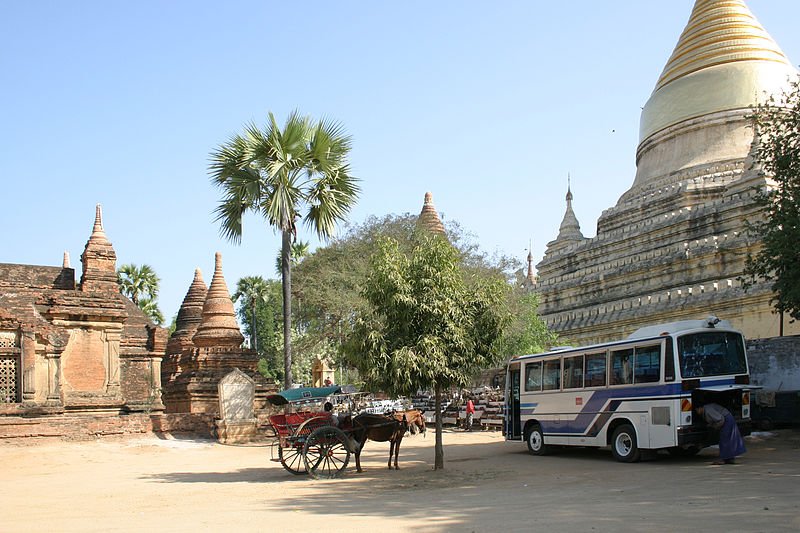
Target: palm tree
[[277, 173], [138, 282], [252, 289], [150, 308], [300, 250]]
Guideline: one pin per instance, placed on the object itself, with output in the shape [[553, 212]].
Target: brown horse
[[380, 428], [414, 418]]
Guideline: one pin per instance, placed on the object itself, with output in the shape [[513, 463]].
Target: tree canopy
[[141, 284], [777, 127], [327, 284], [283, 174], [427, 324]]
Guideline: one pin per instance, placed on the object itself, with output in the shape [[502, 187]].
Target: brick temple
[[78, 359], [74, 348]]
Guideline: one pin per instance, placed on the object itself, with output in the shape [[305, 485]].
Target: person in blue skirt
[[731, 443]]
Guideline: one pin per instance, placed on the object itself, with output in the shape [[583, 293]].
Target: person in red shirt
[[470, 414]]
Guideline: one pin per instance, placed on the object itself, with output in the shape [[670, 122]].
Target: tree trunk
[[286, 283], [438, 447]]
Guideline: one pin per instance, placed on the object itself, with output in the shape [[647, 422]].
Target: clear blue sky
[[487, 105]]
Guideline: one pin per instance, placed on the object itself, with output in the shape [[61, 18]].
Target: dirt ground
[[152, 484]]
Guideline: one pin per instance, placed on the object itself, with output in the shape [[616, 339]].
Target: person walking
[[731, 442], [470, 414]]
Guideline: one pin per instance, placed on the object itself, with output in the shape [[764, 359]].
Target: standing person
[[731, 442], [470, 414], [328, 408]]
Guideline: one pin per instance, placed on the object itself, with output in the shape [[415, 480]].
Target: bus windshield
[[711, 353]]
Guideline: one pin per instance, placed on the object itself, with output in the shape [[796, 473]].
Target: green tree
[[526, 332], [427, 326], [264, 323], [329, 283], [251, 290], [150, 308], [137, 282], [279, 173], [300, 250], [141, 284], [777, 128]]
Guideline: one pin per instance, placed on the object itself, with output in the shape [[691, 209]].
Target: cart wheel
[[326, 453], [291, 458]]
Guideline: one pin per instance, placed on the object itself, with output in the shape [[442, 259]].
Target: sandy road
[[150, 484]]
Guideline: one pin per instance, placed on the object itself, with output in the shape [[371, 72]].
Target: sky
[[489, 106]]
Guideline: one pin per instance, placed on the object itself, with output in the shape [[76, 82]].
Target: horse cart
[[313, 441], [309, 441]]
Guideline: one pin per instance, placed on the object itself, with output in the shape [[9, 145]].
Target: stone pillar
[[28, 364], [155, 379], [53, 378], [111, 339]]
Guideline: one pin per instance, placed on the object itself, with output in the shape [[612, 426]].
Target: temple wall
[[775, 363]]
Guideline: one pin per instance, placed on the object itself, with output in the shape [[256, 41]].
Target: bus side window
[[551, 374], [622, 367], [533, 376], [573, 372], [669, 361], [596, 370], [647, 367]]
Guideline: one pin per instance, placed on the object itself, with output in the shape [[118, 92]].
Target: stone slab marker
[[237, 422]]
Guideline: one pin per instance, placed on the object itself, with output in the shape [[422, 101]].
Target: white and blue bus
[[633, 395]]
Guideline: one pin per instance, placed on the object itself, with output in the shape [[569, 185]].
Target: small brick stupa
[[206, 346], [429, 218]]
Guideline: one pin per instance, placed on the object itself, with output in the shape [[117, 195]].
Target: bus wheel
[[624, 446], [535, 440]]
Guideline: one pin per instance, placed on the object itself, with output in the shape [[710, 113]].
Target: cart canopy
[[303, 394]]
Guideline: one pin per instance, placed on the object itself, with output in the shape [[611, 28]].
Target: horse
[[415, 420], [380, 428]]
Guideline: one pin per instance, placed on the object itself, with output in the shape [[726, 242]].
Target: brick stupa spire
[[189, 315], [99, 259], [429, 218], [218, 327]]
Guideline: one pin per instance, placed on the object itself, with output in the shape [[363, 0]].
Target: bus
[[636, 395]]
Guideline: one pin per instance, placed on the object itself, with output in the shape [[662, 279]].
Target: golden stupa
[[724, 60]]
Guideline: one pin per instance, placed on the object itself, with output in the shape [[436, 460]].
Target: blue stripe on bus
[[593, 411], [592, 418]]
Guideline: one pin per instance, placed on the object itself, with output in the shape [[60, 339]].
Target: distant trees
[[777, 127], [279, 173], [300, 250], [252, 290], [329, 283], [428, 324], [259, 312], [141, 284]]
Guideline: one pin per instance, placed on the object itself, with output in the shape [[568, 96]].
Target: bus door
[[513, 429]]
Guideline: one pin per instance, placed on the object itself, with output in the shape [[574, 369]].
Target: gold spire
[[719, 32], [724, 61]]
